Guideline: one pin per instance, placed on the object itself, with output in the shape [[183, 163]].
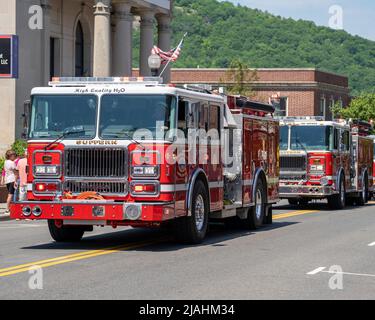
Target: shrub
[[19, 147], [2, 161]]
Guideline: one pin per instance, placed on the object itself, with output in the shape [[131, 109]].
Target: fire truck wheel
[[256, 214], [363, 196], [293, 202], [338, 201], [193, 229], [268, 219], [65, 233]]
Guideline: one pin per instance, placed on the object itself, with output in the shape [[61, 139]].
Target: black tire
[[256, 214], [293, 202], [268, 219], [193, 230], [65, 233], [338, 201], [363, 197], [350, 201], [303, 202]]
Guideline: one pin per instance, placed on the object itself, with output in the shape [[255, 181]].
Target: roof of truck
[[312, 121], [102, 86]]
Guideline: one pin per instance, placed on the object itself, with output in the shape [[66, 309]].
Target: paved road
[[289, 260]]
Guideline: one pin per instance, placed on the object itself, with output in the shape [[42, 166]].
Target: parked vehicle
[[330, 160], [133, 152], [373, 174]]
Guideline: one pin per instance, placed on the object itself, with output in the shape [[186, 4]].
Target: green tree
[[362, 107], [238, 79], [220, 31]]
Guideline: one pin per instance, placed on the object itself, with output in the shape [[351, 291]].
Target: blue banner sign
[[8, 56]]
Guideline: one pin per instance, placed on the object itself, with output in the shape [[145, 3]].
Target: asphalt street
[[295, 258]]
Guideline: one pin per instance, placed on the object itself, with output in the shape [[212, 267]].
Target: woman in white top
[[10, 176]]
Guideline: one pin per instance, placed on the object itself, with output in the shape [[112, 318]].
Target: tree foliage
[[362, 107], [219, 32], [238, 77]]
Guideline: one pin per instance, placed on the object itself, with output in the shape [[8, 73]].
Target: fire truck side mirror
[[26, 116]]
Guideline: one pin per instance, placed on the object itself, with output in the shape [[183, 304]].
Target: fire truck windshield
[[52, 115], [149, 116], [284, 137], [311, 138]]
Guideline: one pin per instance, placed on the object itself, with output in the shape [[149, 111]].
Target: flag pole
[[170, 59]]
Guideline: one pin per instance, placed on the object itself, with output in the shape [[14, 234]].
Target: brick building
[[299, 92]]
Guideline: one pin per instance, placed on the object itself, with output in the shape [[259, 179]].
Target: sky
[[357, 16]]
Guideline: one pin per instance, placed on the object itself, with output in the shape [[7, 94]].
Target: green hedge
[[19, 147], [2, 161]]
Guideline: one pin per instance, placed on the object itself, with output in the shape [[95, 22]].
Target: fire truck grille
[[77, 187], [96, 163], [288, 163], [293, 167]]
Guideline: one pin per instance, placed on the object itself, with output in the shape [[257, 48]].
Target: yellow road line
[[74, 257], [105, 251], [57, 259], [293, 214]]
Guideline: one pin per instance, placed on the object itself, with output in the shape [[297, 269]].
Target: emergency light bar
[[316, 118], [77, 81]]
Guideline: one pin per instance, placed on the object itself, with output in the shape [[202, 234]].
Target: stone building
[[74, 38], [300, 92]]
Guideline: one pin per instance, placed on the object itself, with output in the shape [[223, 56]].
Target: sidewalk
[[3, 217]]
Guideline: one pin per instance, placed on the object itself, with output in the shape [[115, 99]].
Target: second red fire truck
[[330, 160], [133, 152]]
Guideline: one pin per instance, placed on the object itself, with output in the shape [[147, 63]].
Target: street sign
[[8, 56]]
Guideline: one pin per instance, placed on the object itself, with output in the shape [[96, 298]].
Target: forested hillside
[[220, 32]]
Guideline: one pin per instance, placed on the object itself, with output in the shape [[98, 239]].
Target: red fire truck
[[330, 160], [133, 152], [373, 174]]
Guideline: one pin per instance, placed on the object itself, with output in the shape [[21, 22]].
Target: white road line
[[322, 270], [316, 271], [372, 244], [351, 274]]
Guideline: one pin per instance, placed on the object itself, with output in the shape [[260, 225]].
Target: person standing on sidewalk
[[21, 177], [10, 176]]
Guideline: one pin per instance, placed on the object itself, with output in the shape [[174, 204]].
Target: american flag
[[171, 55]]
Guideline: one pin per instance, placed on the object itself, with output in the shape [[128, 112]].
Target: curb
[[5, 217]]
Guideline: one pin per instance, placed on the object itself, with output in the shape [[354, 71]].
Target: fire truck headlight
[[145, 171], [51, 170], [319, 168], [133, 212], [324, 181], [40, 170]]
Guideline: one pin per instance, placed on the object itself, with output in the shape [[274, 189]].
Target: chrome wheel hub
[[258, 204], [342, 192], [199, 212], [364, 191]]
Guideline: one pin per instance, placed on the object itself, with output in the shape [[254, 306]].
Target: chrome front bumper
[[297, 191]]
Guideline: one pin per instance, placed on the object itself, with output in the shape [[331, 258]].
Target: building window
[[328, 115], [79, 56], [281, 106], [341, 104], [322, 108], [54, 57]]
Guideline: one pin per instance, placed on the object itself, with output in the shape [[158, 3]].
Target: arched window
[[80, 51]]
